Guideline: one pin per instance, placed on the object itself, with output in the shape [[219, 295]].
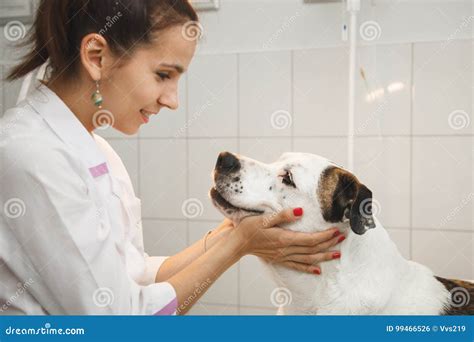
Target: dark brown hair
[[60, 25]]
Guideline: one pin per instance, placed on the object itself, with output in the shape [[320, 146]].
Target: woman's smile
[[145, 114]]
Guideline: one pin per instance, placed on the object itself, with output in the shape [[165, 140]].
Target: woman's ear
[[94, 51]]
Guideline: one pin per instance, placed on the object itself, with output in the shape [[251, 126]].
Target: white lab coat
[[71, 238]]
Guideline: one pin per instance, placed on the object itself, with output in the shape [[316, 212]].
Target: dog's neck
[[362, 256], [363, 252]]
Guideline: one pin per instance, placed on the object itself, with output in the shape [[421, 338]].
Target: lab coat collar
[[68, 127]]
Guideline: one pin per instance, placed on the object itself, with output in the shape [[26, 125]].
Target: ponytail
[[60, 25]]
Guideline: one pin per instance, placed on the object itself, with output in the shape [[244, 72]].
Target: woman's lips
[[146, 115]]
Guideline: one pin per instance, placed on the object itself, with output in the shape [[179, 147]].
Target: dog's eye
[[287, 179]]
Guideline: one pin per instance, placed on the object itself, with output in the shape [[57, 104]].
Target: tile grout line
[[292, 101], [238, 149], [186, 154], [410, 205], [371, 136], [325, 47], [3, 105]]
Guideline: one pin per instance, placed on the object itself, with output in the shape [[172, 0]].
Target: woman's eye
[[287, 179], [163, 75]]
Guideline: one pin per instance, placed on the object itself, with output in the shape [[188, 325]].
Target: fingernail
[[342, 238], [336, 233], [298, 211], [317, 271], [336, 255]]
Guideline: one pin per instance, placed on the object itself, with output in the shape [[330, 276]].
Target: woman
[[71, 234]]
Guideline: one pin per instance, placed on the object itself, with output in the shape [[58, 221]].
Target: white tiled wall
[[413, 145], [419, 177], [443, 84], [385, 67], [320, 91], [212, 96]]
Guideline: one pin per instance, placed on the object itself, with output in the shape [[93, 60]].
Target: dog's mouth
[[227, 208]]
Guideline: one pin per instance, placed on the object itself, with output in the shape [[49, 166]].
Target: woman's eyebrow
[[177, 67]]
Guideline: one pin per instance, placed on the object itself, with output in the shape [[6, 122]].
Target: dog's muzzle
[[227, 167]]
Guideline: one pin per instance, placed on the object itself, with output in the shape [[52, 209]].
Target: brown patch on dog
[[329, 185], [341, 195], [462, 296]]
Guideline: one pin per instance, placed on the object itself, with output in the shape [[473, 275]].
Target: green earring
[[97, 96]]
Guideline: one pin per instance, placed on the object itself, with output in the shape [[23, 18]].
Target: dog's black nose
[[227, 163]]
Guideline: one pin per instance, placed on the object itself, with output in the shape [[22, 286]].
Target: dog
[[371, 277]]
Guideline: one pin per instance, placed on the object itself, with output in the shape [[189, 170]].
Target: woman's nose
[[169, 100]]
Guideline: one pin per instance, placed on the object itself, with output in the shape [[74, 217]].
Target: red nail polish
[[317, 271], [336, 255], [298, 211], [342, 238], [336, 233]]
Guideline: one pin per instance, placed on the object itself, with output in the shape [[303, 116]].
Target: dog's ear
[[342, 196], [360, 217]]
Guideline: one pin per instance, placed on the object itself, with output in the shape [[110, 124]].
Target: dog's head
[[327, 193]]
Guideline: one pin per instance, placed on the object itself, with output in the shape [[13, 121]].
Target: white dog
[[371, 277]]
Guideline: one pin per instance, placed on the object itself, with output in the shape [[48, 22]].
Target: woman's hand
[[258, 235], [261, 236]]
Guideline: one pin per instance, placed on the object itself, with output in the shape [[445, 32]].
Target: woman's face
[[148, 81]]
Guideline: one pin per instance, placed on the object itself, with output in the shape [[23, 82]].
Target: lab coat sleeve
[[153, 264], [75, 261]]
